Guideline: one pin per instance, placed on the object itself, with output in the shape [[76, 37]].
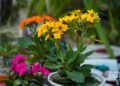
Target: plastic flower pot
[[100, 79]]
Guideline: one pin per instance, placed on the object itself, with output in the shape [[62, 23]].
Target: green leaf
[[51, 57], [88, 53], [52, 66], [83, 48], [81, 59], [101, 33], [72, 58], [76, 76], [86, 70], [17, 82], [90, 81]]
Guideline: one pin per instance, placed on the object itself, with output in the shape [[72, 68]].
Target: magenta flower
[[45, 71], [34, 68], [21, 69], [19, 58], [18, 65]]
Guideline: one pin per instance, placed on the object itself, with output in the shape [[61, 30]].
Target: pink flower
[[21, 69], [45, 71], [19, 58], [2, 84], [35, 67], [18, 65]]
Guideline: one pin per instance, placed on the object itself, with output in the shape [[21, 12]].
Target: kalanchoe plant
[[71, 71], [22, 73], [43, 40]]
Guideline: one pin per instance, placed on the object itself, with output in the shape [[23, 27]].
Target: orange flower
[[38, 19], [27, 21], [48, 18], [22, 23]]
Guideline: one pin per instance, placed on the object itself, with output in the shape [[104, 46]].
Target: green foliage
[[52, 66], [68, 64]]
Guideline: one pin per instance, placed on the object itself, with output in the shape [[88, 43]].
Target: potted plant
[[70, 72]]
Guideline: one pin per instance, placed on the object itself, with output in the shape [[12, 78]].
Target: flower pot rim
[[55, 84]]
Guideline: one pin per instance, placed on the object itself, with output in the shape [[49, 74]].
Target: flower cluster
[[48, 18], [68, 18], [19, 66], [36, 67], [51, 29], [27, 21], [89, 16], [2, 78], [35, 19]]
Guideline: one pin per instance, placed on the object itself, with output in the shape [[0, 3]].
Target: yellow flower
[[96, 17], [84, 16], [90, 11], [57, 35], [49, 24], [55, 30], [45, 30], [68, 18], [64, 28], [75, 12], [52, 29], [90, 18], [39, 30]]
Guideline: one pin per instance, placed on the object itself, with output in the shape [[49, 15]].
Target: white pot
[[99, 78]]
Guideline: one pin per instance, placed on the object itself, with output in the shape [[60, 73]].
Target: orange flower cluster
[[34, 19], [48, 18], [2, 78]]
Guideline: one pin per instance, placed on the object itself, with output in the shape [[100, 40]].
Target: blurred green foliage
[[48, 7]]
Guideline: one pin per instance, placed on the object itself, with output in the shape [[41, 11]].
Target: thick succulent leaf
[[85, 70], [76, 76], [73, 58], [52, 66]]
